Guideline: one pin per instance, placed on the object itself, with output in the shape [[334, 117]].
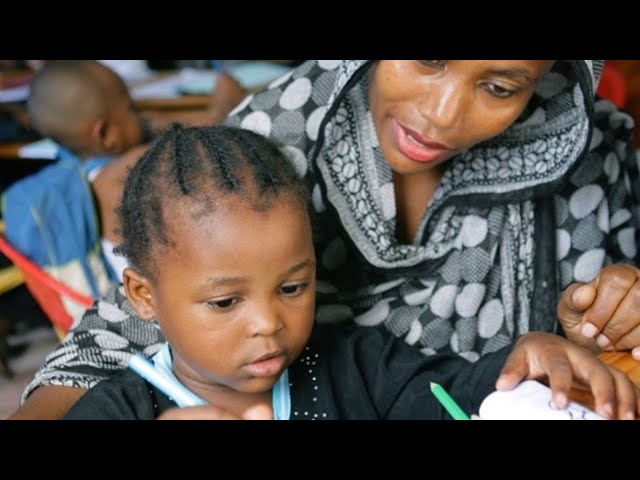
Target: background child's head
[[216, 227], [84, 106]]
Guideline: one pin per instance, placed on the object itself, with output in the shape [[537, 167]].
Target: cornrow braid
[[139, 206], [263, 173], [183, 155], [198, 164], [217, 153]]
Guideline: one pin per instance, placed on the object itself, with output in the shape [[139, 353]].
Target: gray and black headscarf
[[515, 220]]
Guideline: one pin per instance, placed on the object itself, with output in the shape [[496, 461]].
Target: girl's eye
[[293, 290], [499, 91], [438, 64], [223, 304]]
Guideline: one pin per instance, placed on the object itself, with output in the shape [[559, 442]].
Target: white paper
[[131, 71], [252, 74], [45, 149], [189, 80], [14, 94], [531, 400]]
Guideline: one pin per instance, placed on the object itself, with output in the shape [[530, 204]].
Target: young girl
[[218, 235]]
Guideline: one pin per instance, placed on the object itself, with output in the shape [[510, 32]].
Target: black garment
[[345, 372]]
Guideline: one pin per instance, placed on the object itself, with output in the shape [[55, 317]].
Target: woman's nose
[[443, 104]]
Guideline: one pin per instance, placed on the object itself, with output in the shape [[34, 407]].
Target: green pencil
[[448, 403]]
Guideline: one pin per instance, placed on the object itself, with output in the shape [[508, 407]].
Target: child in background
[[52, 216], [86, 108], [217, 231]]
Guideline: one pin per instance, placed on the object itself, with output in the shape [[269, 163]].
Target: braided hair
[[203, 165]]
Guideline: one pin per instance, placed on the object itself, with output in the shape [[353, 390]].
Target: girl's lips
[[416, 147], [268, 367]]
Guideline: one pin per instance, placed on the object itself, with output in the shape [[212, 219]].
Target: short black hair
[[205, 164], [65, 93]]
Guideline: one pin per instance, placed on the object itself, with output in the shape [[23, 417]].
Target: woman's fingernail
[[635, 353], [589, 330], [602, 341], [577, 293]]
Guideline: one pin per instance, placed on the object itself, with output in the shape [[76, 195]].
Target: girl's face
[[234, 293], [427, 111]]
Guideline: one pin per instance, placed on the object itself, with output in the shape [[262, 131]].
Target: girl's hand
[[543, 356]]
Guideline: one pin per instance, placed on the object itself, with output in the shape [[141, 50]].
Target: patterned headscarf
[[514, 221]]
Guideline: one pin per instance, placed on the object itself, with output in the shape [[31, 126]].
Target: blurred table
[[9, 151], [625, 362]]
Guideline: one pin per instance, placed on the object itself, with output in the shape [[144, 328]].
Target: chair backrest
[[50, 293], [613, 85]]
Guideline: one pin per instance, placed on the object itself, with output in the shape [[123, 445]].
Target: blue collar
[[280, 397], [67, 156]]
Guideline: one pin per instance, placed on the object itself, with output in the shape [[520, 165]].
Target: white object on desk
[[14, 94], [531, 400], [131, 71], [45, 149], [252, 74], [188, 80]]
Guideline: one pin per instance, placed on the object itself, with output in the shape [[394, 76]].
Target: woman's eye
[[223, 304], [439, 64], [499, 91], [293, 290]]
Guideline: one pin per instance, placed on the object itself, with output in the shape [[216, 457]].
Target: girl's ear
[[138, 290]]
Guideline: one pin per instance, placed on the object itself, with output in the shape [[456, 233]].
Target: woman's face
[[427, 111]]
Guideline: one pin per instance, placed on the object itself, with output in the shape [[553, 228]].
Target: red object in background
[[47, 291], [12, 80], [613, 85]]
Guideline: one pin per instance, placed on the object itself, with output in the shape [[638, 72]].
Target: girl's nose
[[265, 321]]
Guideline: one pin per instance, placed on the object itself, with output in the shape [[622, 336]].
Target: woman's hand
[[604, 313], [543, 356]]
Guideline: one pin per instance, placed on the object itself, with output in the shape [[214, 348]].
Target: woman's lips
[[416, 147], [267, 366]]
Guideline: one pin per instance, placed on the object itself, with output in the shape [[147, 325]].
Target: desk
[[9, 151], [625, 362], [183, 109]]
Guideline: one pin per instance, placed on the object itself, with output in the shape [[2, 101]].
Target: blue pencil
[[174, 390]]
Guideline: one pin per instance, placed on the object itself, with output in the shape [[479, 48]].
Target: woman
[[455, 201]]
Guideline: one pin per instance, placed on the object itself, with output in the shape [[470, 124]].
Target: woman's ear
[[138, 290]]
